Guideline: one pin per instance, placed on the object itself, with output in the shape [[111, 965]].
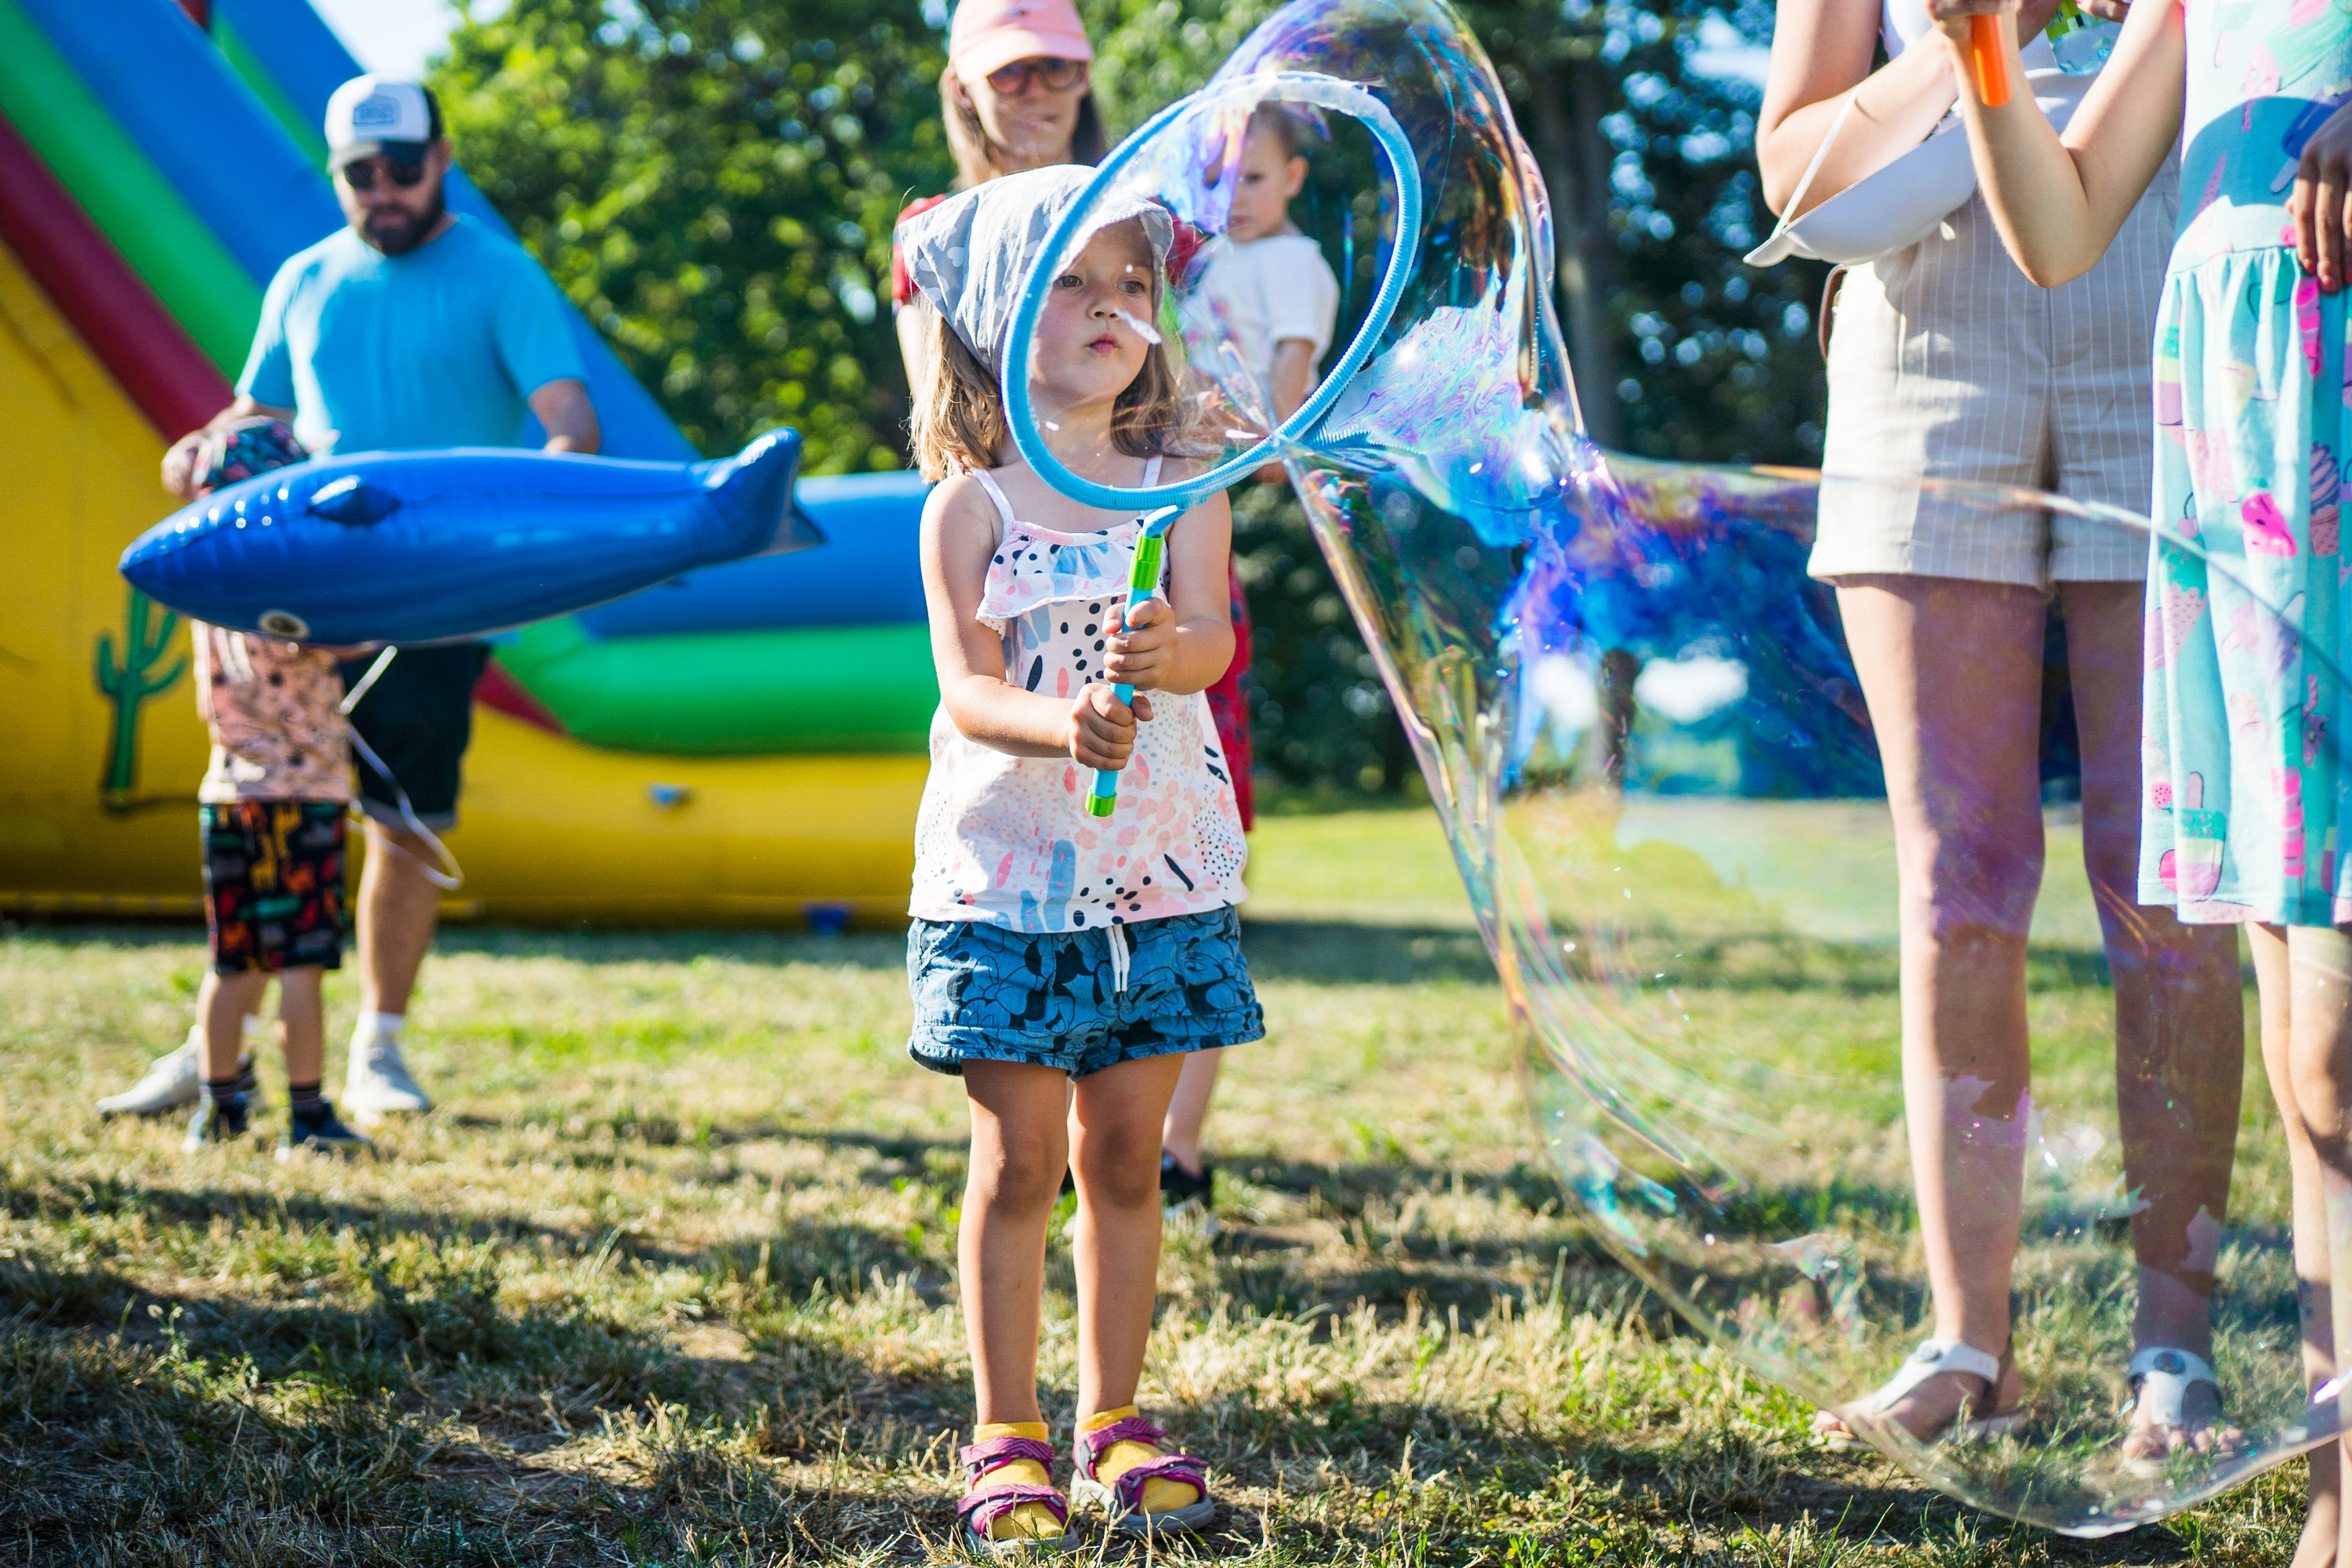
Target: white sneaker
[[378, 1084], [174, 1081]]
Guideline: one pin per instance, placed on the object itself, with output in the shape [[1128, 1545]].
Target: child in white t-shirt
[[1268, 281], [1278, 299]]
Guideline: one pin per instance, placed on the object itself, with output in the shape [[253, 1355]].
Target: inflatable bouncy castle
[[743, 743]]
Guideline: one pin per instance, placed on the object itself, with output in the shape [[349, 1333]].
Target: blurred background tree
[[714, 183]]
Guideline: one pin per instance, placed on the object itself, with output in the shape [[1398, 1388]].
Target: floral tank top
[[1006, 840]]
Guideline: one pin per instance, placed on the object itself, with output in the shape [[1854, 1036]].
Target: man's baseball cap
[[381, 116], [989, 34]]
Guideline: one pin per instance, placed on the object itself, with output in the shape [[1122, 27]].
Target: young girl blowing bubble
[[2244, 806], [1065, 964]]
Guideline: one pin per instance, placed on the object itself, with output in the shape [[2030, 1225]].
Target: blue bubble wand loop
[[1166, 502]]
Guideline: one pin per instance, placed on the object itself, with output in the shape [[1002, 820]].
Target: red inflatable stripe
[[157, 363], [500, 691]]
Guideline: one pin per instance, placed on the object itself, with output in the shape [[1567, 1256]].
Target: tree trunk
[[1568, 100], [1619, 669]]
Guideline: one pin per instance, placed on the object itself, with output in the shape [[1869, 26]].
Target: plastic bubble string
[[1645, 728]]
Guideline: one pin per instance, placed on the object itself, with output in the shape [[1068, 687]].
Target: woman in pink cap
[[1015, 96]]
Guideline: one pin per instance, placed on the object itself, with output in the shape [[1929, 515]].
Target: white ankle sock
[[379, 1026]]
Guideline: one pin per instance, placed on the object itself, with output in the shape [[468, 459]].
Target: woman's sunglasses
[[361, 175], [1057, 75]]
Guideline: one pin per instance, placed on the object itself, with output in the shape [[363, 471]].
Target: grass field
[[666, 1279]]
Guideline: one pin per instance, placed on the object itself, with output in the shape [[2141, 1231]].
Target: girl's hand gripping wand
[[1142, 582]]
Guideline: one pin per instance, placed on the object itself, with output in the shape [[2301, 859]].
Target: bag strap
[[1795, 209]]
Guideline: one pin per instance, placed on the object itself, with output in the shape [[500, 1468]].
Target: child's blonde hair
[[959, 419]]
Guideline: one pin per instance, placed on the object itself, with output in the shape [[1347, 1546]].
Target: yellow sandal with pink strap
[[983, 1506], [1125, 1484]]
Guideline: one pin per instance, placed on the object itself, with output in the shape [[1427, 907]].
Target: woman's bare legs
[[1952, 672], [2181, 1042], [2289, 999]]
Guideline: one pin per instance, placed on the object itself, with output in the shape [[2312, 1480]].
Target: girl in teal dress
[[2243, 803]]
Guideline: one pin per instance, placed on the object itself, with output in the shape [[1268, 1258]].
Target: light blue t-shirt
[[440, 347]]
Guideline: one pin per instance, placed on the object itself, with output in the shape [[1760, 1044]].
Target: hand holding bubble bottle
[[1987, 62], [2080, 42]]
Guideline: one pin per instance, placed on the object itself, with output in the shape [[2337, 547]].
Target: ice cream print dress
[[1006, 840], [2245, 807]]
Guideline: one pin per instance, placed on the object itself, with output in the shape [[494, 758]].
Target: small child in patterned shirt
[[271, 807]]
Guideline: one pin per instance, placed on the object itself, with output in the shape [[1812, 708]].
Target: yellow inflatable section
[[100, 751]]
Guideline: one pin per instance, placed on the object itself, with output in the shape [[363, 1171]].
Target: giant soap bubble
[[1645, 728]]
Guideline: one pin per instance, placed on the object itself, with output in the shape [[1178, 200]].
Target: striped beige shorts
[[1947, 363]]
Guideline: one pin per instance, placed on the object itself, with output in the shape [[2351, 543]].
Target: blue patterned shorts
[[986, 993]]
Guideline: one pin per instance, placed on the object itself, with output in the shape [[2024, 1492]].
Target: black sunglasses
[[1058, 75], [359, 174]]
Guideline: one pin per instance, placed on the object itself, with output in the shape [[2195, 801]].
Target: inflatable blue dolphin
[[443, 546]]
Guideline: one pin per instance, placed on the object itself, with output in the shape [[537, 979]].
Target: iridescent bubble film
[[1646, 731]]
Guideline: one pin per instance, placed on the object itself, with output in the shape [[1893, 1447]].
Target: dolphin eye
[[353, 502]]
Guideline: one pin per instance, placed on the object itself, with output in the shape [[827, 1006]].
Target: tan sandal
[[1934, 1358]]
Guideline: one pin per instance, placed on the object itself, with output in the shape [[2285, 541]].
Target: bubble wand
[[1176, 498], [1142, 582], [1988, 62]]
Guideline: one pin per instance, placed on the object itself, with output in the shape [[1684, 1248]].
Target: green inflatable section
[[138, 211], [826, 689]]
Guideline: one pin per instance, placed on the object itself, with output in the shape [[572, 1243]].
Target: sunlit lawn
[[667, 1278]]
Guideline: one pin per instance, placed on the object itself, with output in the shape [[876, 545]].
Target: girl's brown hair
[[960, 420], [979, 159]]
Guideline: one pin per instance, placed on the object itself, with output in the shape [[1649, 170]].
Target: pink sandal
[[1123, 1500], [978, 1510]]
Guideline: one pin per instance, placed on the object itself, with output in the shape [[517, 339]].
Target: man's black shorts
[[418, 717]]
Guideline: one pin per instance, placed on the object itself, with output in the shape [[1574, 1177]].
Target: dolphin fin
[[753, 491], [353, 500]]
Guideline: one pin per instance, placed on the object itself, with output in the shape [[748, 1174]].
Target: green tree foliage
[[1644, 120], [714, 182]]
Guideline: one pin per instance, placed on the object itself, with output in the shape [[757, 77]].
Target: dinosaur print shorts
[[274, 884], [1081, 1000]]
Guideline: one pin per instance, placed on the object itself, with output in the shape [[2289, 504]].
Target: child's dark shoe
[[1127, 1465], [219, 1121], [317, 1130], [1179, 1187], [175, 1079]]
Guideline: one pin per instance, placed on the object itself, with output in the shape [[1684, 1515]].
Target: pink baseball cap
[[989, 34]]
